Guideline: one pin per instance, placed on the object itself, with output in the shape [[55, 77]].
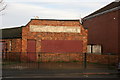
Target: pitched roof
[[11, 33], [107, 7]]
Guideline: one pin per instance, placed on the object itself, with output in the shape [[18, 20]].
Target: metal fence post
[[109, 60], [85, 60]]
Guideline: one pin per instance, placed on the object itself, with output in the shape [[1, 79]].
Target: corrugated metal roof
[[107, 7]]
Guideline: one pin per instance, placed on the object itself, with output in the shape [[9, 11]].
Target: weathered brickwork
[[67, 57], [52, 36], [12, 50], [15, 44], [19, 45], [18, 50], [38, 36], [103, 59]]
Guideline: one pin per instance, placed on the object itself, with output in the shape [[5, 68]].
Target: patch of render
[[67, 29]]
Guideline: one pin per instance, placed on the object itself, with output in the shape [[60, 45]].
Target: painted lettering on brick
[[66, 29]]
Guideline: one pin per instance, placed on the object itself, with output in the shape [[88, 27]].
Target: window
[[10, 45], [89, 47], [95, 49]]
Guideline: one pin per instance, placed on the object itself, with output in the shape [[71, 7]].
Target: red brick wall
[[91, 58], [54, 57], [102, 59], [26, 34], [12, 53], [38, 36], [15, 46]]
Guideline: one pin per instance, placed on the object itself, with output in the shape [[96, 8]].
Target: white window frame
[[10, 45]]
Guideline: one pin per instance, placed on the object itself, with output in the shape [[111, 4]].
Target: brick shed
[[45, 38]]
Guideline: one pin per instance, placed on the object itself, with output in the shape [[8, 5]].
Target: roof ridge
[[58, 19], [105, 8]]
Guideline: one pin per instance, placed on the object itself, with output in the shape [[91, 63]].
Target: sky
[[19, 12]]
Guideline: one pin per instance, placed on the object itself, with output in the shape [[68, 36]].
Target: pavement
[[88, 73], [59, 70]]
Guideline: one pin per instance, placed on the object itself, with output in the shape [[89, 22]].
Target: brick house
[[45, 39], [103, 28]]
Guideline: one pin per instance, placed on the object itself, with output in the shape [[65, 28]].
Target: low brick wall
[[53, 57], [102, 59], [65, 57], [12, 56], [92, 58]]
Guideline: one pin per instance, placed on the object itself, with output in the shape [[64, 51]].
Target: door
[[61, 46], [31, 50]]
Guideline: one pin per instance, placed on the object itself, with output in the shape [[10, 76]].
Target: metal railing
[[41, 57]]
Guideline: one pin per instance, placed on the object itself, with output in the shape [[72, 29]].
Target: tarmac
[[59, 70]]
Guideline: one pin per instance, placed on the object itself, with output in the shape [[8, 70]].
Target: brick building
[[44, 38], [103, 28]]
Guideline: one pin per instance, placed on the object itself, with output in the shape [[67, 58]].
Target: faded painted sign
[[66, 29]]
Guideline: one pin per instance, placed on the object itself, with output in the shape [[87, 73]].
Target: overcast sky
[[19, 12]]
